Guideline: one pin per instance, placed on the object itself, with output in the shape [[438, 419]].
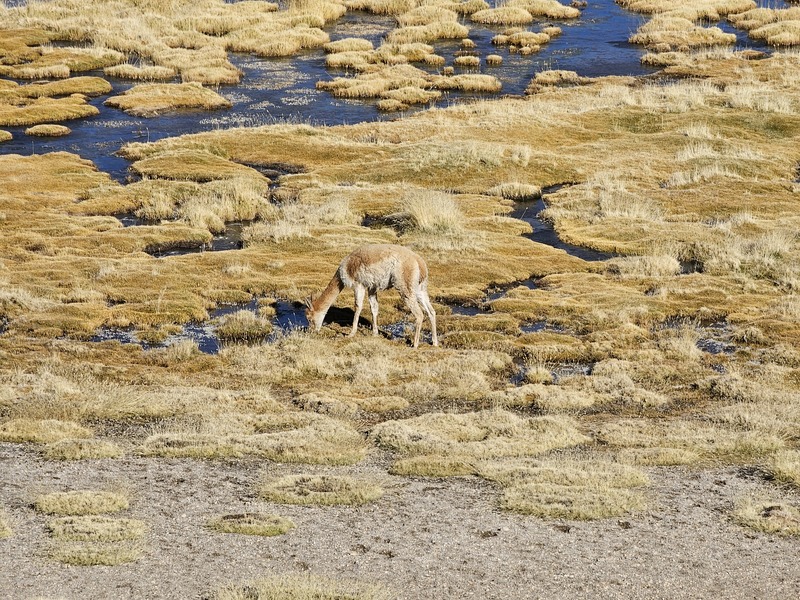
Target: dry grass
[[484, 434], [288, 437], [69, 449], [149, 100], [251, 524], [785, 466], [44, 431], [567, 489], [88, 554], [5, 526], [320, 490], [48, 130], [657, 457], [141, 73], [243, 326], [506, 15], [95, 529], [80, 502], [300, 587], [769, 517]]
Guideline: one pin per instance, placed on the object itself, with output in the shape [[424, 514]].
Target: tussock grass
[[251, 524], [320, 490], [6, 136], [151, 99], [41, 431], [570, 489], [431, 212], [505, 15], [243, 326], [785, 466], [767, 516], [494, 60], [467, 61], [514, 190], [704, 440], [483, 434], [69, 449], [141, 73], [657, 457], [551, 9], [302, 587], [349, 45], [436, 30], [289, 437], [643, 266], [193, 165], [48, 130], [434, 465], [88, 554], [80, 502], [95, 529]]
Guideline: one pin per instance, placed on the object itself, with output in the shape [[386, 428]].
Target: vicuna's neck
[[323, 302]]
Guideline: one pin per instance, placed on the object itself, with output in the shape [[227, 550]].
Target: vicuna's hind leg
[[413, 306], [359, 291], [426, 304], [373, 304]]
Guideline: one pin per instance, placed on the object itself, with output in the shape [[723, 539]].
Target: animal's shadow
[[344, 318]]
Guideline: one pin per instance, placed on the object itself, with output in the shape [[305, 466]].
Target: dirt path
[[423, 539]]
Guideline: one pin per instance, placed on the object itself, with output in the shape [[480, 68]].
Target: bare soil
[[426, 538]]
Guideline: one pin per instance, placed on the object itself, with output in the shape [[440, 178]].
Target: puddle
[[544, 326], [544, 233], [230, 239], [558, 371]]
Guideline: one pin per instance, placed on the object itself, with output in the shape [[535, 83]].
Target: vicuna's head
[[315, 317]]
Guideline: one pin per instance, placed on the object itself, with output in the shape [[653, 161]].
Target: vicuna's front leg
[[373, 304], [359, 292]]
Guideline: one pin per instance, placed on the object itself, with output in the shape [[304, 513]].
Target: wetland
[[606, 197]]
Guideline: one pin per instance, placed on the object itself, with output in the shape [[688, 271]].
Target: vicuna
[[373, 268]]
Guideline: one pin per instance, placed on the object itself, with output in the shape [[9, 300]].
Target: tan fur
[[373, 268]]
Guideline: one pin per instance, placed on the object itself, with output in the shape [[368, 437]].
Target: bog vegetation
[[569, 384]]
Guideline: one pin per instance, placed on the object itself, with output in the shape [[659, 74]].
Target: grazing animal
[[373, 268]]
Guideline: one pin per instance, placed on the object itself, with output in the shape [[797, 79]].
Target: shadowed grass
[[251, 524], [80, 502], [320, 490]]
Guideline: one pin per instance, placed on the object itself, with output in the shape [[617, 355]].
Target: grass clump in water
[[321, 490], [243, 326], [48, 130], [81, 502], [152, 99], [251, 524]]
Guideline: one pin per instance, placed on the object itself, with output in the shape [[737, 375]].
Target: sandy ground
[[426, 538]]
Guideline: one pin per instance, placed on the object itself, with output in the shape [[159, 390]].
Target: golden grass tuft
[[81, 449], [349, 45], [88, 554], [5, 136], [429, 212], [483, 434], [566, 488], [41, 431], [467, 61], [473, 82], [699, 438], [657, 457], [141, 73], [320, 490], [263, 524], [193, 165], [785, 466], [494, 60], [95, 528], [505, 15], [551, 9], [301, 587], [243, 326], [433, 466], [48, 130], [80, 502], [288, 437], [151, 99], [767, 516], [516, 191]]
